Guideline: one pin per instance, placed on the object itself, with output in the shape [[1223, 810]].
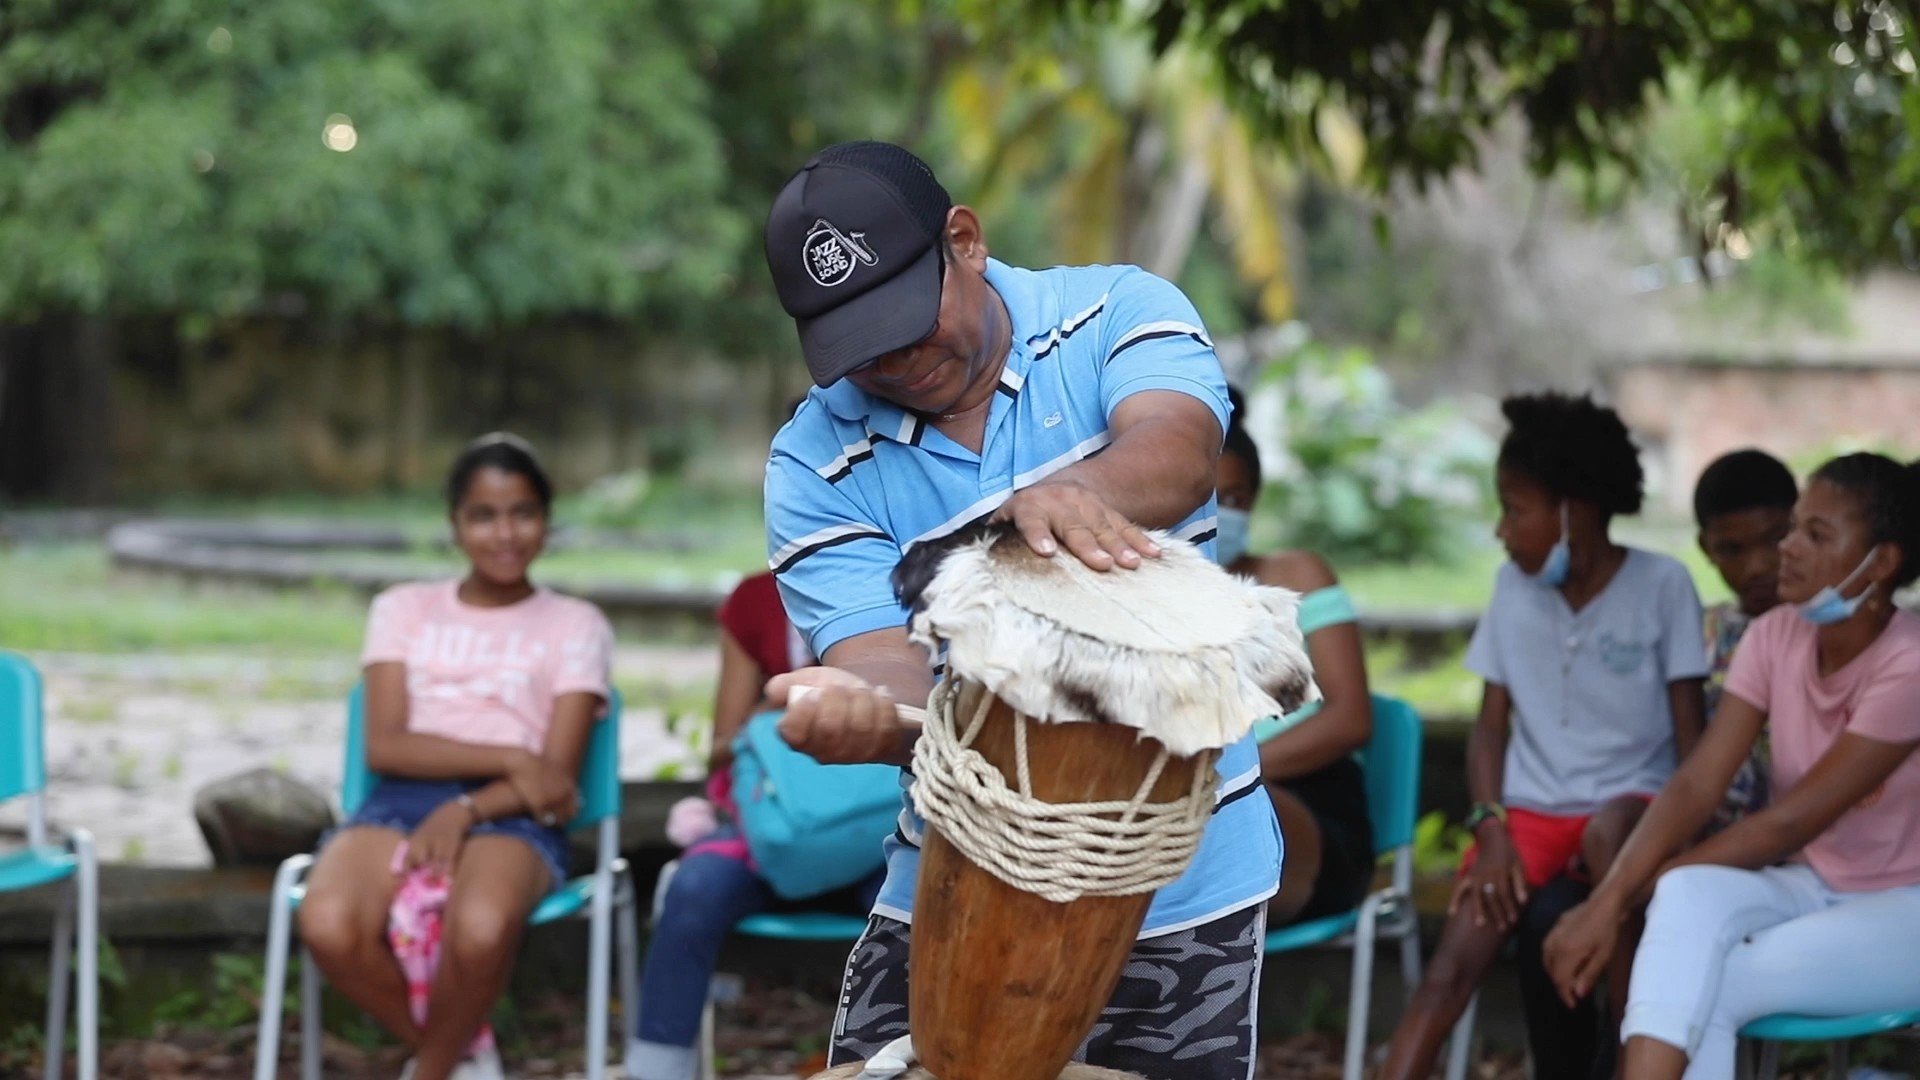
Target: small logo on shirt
[[1052, 420], [1622, 657], [830, 253]]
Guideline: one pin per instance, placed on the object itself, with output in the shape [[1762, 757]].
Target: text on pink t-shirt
[[488, 675], [1875, 845]]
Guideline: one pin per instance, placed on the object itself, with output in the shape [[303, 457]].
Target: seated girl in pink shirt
[[1811, 905], [480, 695]]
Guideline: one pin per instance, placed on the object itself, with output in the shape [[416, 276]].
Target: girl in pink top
[[480, 696], [1812, 905]]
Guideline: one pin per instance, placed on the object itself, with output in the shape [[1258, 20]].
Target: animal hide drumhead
[[1178, 648]]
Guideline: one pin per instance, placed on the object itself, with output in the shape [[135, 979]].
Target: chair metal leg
[[1460, 1047], [628, 946], [1769, 1061], [1409, 963], [310, 1038], [87, 901], [599, 963], [708, 1070], [1360, 991], [60, 980], [1839, 1059], [266, 1060]]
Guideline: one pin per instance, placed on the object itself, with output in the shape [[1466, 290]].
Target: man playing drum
[[1077, 403]]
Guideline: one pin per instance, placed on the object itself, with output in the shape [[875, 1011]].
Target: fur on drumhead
[[1177, 648]]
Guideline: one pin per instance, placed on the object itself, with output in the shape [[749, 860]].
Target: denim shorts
[[401, 805]]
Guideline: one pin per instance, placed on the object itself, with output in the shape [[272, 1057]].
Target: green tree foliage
[[465, 164], [1818, 142], [1361, 474]]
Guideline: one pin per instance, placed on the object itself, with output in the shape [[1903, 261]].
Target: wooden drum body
[[1010, 983]]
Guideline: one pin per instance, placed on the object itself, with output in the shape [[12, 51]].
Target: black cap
[[853, 242]]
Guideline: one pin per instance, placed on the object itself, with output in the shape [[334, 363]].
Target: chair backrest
[[599, 766], [23, 761], [1391, 764]]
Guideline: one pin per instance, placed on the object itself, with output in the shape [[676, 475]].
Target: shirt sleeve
[[1886, 710], [832, 560], [586, 655], [391, 623], [1483, 649], [1683, 645], [1750, 676], [1154, 341], [1324, 607]]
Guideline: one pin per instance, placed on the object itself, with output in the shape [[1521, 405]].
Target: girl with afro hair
[[1593, 666]]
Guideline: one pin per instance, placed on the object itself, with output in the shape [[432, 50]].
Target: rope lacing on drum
[[1059, 851]]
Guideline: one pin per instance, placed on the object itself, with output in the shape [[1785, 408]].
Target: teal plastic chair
[[23, 774], [596, 897], [1771, 1031], [1390, 763]]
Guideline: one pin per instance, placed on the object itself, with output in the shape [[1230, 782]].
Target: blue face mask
[[1230, 541], [1829, 605], [1553, 572]]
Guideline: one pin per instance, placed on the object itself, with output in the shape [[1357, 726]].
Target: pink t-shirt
[[1875, 845], [488, 675]]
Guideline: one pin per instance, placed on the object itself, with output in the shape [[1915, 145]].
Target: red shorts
[[1548, 845]]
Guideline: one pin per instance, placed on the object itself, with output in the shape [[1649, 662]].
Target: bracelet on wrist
[[1486, 811], [472, 808]]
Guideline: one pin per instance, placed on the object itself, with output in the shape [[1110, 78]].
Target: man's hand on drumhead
[[1050, 514], [836, 717]]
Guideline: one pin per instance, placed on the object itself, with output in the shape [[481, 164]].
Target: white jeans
[[1725, 946]]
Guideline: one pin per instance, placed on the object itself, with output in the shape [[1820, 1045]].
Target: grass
[[1438, 689], [68, 598], [1466, 584]]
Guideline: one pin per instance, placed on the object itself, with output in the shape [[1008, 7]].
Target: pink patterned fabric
[[413, 932]]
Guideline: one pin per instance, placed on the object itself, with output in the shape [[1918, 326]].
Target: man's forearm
[[1154, 475], [910, 684]]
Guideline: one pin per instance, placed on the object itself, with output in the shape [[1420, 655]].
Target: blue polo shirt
[[854, 480]]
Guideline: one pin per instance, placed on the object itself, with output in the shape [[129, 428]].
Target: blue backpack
[[812, 828]]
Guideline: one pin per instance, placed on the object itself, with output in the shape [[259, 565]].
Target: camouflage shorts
[[1184, 1008]]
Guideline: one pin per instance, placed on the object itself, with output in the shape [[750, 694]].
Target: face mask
[[1553, 572], [1230, 540], [1829, 606]]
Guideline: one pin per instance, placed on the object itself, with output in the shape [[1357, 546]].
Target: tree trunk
[[84, 414], [56, 415], [23, 467]]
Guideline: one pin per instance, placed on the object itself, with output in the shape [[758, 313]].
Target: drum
[[1066, 772]]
